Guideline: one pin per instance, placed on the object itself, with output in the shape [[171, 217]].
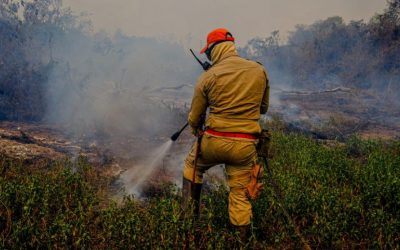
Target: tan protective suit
[[236, 91]]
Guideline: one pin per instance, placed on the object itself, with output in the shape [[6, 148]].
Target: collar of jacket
[[223, 51]]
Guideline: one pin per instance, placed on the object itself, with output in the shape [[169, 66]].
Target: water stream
[[134, 178]]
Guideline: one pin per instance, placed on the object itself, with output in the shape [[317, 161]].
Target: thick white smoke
[[114, 86]]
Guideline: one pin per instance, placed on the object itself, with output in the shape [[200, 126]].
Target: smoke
[[333, 54], [124, 94], [190, 21], [101, 85]]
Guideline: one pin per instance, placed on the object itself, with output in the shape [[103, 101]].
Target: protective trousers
[[239, 156]]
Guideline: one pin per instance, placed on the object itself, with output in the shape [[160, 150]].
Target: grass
[[342, 196]]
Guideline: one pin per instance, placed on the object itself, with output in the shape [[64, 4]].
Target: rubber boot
[[190, 192], [243, 232], [186, 193], [196, 194]]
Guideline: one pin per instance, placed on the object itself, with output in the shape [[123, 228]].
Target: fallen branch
[[338, 89], [170, 88]]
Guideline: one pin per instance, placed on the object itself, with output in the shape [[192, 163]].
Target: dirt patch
[[34, 141], [340, 113], [28, 152]]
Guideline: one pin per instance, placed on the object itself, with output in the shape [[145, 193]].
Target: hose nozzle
[[175, 136]]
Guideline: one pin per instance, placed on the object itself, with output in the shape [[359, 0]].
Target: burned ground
[[338, 114]]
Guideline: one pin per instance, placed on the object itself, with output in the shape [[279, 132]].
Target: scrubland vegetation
[[361, 54], [339, 196]]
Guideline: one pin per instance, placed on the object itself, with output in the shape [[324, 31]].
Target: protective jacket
[[236, 91]]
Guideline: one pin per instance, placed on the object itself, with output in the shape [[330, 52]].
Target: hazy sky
[[189, 21]]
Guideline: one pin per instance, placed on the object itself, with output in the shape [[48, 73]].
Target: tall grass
[[343, 196]]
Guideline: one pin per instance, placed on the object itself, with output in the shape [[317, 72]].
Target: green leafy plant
[[343, 196]]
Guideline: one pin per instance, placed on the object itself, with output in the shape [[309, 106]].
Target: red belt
[[231, 134]]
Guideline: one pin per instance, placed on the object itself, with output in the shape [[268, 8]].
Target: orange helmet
[[217, 35]]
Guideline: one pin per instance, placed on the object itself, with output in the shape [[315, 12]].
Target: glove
[[197, 131], [194, 131]]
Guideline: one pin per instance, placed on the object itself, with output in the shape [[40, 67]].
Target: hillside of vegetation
[[336, 70], [330, 53], [339, 196]]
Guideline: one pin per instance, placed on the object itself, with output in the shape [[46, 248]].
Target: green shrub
[[344, 196]]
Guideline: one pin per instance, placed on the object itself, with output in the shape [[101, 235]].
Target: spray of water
[[134, 178]]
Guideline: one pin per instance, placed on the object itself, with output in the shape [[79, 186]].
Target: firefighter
[[236, 92]]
